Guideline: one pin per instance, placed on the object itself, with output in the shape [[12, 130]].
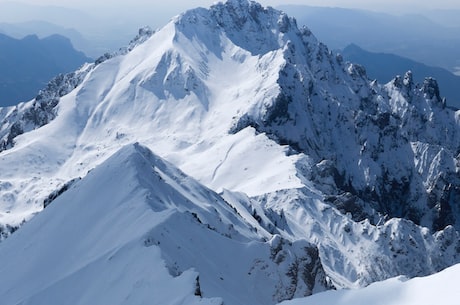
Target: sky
[[103, 19], [160, 11], [384, 5]]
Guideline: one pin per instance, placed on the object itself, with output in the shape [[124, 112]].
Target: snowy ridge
[[136, 207], [355, 178], [41, 110], [143, 34], [25, 117]]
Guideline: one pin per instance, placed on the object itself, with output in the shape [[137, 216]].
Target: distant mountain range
[[93, 31], [413, 36], [44, 29], [384, 67], [26, 65]]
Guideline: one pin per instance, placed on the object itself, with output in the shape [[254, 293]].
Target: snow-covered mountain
[[319, 176]]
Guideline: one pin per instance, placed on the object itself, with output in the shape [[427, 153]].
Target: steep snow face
[[138, 231], [441, 287], [301, 143]]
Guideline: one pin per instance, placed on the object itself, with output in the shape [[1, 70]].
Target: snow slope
[[169, 90], [303, 146], [440, 288], [138, 231]]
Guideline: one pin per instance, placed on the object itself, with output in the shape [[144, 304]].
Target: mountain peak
[[246, 23], [240, 7], [244, 12]]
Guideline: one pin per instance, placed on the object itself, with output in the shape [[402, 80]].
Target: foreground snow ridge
[[136, 230], [441, 288], [269, 169]]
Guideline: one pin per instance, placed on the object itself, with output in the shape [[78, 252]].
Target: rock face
[[40, 111], [332, 171]]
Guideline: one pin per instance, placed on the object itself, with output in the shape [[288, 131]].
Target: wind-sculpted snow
[[307, 151]]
